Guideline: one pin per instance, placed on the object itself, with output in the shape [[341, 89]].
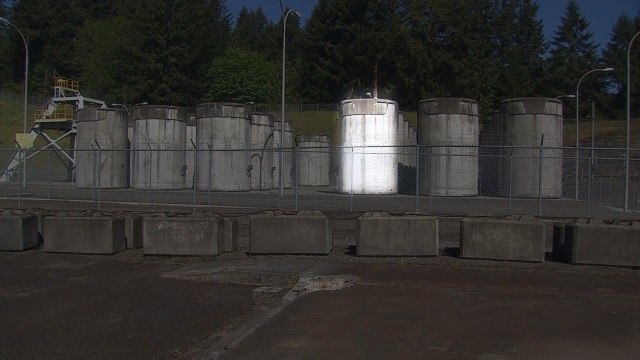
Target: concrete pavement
[[128, 306]]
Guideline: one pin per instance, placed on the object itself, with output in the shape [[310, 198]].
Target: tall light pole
[[26, 83], [593, 128], [26, 72], [284, 45], [626, 165], [578, 122]]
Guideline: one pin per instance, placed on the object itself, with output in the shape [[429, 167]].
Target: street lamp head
[[297, 13], [607, 69]]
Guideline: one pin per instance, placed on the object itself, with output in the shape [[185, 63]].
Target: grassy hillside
[[609, 133]]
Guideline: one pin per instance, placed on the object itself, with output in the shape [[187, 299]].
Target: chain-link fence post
[[417, 208], [352, 166], [430, 175], [149, 158], [511, 183], [209, 174], [49, 175], [195, 175], [94, 173], [589, 192], [20, 175], [540, 181], [295, 182], [99, 176]]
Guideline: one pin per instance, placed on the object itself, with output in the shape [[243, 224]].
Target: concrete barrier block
[[84, 234], [303, 233], [595, 244], [198, 235], [133, 231], [230, 235], [498, 239], [380, 234], [18, 231]]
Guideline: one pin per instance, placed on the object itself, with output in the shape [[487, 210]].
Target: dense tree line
[[184, 52]]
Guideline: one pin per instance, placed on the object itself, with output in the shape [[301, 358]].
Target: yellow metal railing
[[57, 115], [66, 83]]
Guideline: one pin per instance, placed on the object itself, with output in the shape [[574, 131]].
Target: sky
[[601, 14]]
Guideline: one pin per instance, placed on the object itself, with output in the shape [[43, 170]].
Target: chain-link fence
[[447, 180]]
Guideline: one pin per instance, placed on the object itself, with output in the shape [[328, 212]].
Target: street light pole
[[578, 122], [593, 128], [626, 165], [26, 72], [284, 44], [26, 87]]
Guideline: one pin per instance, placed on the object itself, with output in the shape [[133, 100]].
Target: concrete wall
[[304, 233], [83, 234], [18, 231], [196, 235], [598, 244], [502, 239], [380, 234]]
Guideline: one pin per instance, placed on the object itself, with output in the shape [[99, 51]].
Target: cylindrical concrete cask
[[159, 144], [223, 142], [102, 155], [532, 133], [368, 159], [449, 163]]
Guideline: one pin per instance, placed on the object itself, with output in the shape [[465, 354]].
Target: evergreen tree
[[179, 38], [347, 42], [463, 39], [52, 29], [573, 54], [107, 53], [243, 76], [253, 31], [615, 55], [520, 49]]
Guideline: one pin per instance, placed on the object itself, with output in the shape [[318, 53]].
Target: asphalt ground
[[129, 306], [84, 307]]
